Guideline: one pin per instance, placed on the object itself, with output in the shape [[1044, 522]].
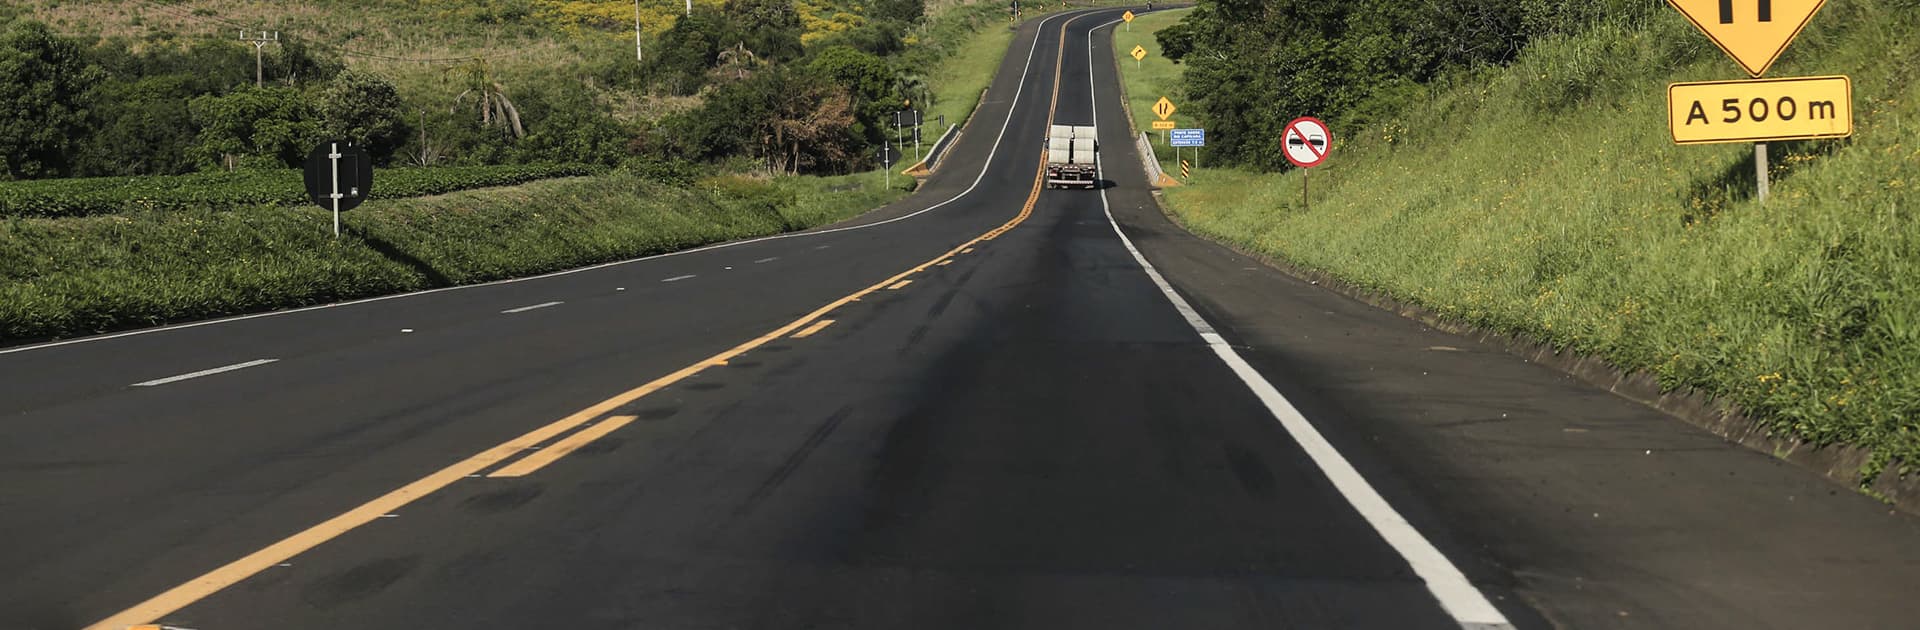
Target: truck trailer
[[1073, 156]]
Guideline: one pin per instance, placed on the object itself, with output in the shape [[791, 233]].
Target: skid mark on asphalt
[[794, 460]]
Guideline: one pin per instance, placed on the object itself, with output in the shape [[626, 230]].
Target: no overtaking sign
[[1307, 141]]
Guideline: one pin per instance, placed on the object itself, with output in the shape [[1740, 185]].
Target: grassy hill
[[1544, 197]]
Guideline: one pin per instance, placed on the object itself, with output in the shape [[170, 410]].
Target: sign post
[[1163, 108], [1306, 144], [1195, 138], [1139, 53], [1754, 33], [332, 167], [1128, 16], [887, 157]]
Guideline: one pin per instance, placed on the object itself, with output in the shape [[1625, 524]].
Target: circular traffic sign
[[336, 166], [1307, 142]]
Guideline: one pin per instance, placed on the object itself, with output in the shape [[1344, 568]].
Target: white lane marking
[[766, 260], [679, 278], [208, 372], [823, 246], [1458, 597], [524, 309], [984, 167]]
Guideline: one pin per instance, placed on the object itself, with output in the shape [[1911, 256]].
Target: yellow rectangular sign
[[1165, 124], [1760, 110]]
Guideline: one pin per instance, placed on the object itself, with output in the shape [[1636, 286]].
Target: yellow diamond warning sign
[[1163, 108], [1138, 53], [1128, 16], [1753, 32], [1760, 110]]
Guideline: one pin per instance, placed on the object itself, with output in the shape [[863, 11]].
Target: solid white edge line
[[986, 165], [206, 372], [1457, 596], [524, 309]]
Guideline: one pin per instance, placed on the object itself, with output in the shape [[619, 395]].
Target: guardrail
[[931, 161], [1151, 163]]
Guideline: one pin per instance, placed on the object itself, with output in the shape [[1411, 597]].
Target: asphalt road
[[976, 408]]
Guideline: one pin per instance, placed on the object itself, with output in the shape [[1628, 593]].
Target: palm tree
[[738, 59], [490, 95]]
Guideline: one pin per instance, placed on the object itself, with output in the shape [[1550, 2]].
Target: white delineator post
[[1760, 174]]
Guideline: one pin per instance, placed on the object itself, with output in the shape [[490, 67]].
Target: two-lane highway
[[987, 406]]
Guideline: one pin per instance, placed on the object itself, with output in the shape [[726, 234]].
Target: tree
[[496, 109], [140, 127], [273, 125], [737, 62], [44, 86], [867, 79], [771, 28], [367, 111]]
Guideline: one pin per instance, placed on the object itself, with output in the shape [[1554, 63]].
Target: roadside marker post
[[1754, 33], [887, 157], [1306, 144]]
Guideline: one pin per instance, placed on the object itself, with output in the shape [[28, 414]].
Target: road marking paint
[[1457, 596], [207, 372], [406, 330], [569, 444], [679, 278], [967, 251], [619, 288], [524, 309], [1019, 87], [808, 331], [729, 269], [232, 573], [944, 263], [766, 260], [899, 285]]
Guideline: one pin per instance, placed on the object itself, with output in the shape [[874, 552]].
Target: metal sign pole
[[1306, 205], [1760, 175], [333, 156]]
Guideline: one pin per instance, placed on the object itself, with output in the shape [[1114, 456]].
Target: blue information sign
[[1188, 138]]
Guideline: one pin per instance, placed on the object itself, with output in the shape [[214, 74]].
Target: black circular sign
[[355, 175]]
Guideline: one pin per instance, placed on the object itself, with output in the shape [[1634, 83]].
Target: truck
[[1073, 155]]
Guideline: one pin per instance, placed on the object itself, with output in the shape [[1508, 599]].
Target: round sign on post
[[1307, 142], [353, 174]]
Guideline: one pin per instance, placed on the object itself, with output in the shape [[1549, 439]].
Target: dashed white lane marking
[[406, 330], [524, 309], [823, 247], [766, 260], [207, 372], [679, 278], [1457, 596]]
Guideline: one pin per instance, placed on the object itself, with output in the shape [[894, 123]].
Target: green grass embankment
[[1545, 198], [1149, 79], [71, 276]]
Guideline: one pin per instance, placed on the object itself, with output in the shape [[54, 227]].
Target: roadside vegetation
[[1152, 77], [146, 179], [144, 267], [1529, 185]]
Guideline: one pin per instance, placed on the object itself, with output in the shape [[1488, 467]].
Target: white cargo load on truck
[[1072, 156]]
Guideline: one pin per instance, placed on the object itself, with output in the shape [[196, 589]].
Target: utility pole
[[259, 44], [636, 32]]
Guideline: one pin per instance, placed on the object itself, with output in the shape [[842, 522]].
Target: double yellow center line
[[528, 444]]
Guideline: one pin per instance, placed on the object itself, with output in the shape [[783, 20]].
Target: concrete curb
[[1839, 463], [927, 164]]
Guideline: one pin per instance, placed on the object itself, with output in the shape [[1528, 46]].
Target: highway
[[986, 406]]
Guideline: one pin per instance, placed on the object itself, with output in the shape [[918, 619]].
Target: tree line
[[168, 104], [1253, 65]]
